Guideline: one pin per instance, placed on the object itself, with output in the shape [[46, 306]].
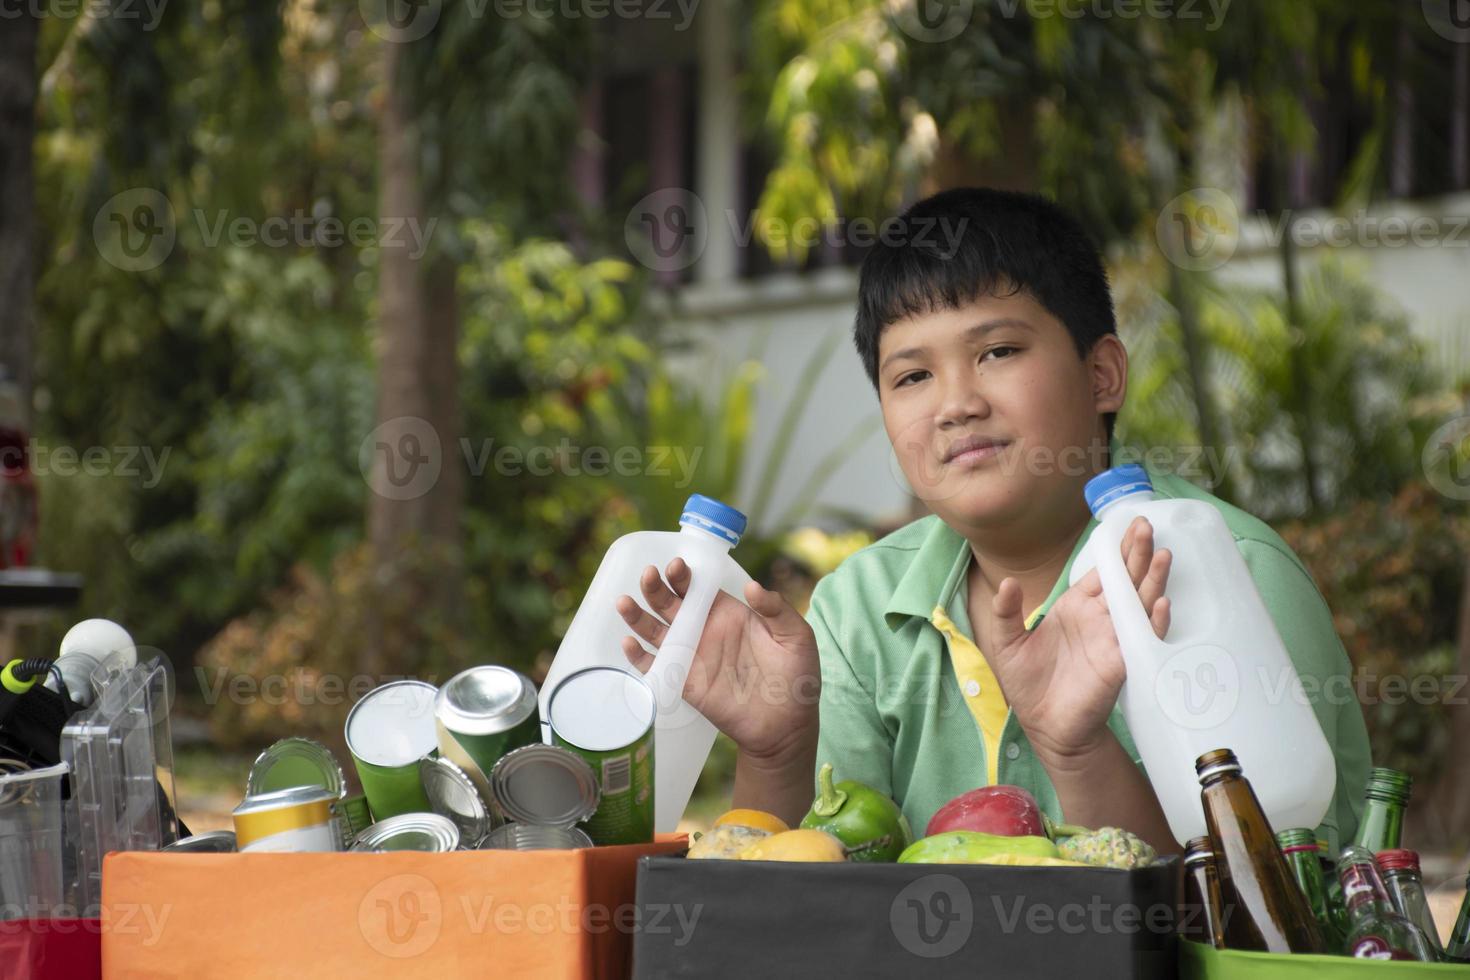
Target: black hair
[[948, 249]]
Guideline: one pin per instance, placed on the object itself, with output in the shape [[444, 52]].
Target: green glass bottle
[[1327, 861], [1383, 818], [1405, 886], [1299, 847], [1457, 950]]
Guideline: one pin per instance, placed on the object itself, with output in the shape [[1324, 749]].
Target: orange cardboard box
[[364, 916]]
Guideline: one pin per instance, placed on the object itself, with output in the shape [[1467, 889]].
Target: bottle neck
[[1382, 825], [1363, 893], [1139, 497]]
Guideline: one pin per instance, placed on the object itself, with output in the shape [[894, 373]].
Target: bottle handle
[[1124, 605]]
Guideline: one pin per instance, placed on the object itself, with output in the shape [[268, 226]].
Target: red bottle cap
[[1398, 859]]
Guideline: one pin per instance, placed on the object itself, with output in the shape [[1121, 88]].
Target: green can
[[482, 714], [606, 715], [388, 732]]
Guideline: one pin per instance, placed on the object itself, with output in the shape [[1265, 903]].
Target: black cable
[[30, 669]]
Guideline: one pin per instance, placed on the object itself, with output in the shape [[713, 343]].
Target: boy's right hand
[[755, 674]]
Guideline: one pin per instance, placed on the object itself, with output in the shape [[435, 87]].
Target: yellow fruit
[[1029, 860], [725, 842], [796, 845], [758, 819]]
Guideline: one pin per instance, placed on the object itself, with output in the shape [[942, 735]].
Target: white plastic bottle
[[707, 531], [1220, 678]]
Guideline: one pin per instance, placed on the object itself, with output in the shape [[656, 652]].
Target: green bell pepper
[[869, 824], [972, 847]]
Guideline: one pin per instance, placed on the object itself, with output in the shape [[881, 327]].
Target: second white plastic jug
[[683, 737], [1221, 678]]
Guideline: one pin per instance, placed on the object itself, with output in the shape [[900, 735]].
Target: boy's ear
[[1107, 365]]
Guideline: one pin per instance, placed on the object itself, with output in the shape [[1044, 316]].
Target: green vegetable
[[973, 847], [869, 824]]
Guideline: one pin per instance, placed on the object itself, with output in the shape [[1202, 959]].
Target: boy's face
[[995, 420]]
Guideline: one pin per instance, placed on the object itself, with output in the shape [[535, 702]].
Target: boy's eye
[[911, 376], [1001, 351]]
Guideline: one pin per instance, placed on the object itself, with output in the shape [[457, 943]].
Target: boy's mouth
[[974, 449]]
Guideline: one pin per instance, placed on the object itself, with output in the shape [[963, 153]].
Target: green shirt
[[892, 714]]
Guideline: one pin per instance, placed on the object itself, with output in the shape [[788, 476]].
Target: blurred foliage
[[1392, 574]]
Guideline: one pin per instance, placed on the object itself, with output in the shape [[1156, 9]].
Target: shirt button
[[972, 688], [1013, 751]]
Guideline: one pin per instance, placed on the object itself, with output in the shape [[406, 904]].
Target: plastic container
[[32, 837], [121, 757], [1221, 678], [683, 737]]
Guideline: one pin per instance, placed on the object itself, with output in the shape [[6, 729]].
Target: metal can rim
[[305, 748], [352, 713], [581, 771], [283, 798], [456, 719], [477, 824], [627, 672], [433, 827]]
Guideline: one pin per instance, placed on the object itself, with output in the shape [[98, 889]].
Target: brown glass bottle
[[1270, 912], [1199, 917]]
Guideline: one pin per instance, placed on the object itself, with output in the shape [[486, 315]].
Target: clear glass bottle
[[1405, 886], [1457, 950], [1268, 912], [1377, 932]]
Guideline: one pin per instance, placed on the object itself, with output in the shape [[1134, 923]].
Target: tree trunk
[[17, 201], [417, 483]]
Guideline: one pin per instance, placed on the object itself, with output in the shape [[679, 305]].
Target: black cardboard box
[[767, 919]]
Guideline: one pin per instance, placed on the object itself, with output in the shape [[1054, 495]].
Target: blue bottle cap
[[1114, 484], [710, 515]]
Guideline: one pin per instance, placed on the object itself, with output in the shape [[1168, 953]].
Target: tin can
[[544, 786], [526, 837], [292, 762], [388, 732], [482, 714], [410, 832], [452, 795], [296, 819], [212, 842], [606, 715], [354, 817]]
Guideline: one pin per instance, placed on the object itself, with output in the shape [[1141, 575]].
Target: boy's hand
[[755, 674], [1062, 678]]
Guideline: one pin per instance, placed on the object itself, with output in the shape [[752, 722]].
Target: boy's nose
[[959, 404]]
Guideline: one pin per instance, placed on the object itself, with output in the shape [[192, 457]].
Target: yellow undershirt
[[978, 685]]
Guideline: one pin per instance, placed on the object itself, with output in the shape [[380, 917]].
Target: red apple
[[1006, 810]]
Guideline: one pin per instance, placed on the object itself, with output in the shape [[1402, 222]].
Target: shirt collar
[[930, 576]]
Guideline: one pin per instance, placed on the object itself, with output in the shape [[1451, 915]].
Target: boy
[[952, 654]]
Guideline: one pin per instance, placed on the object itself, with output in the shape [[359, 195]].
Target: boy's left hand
[[1062, 678]]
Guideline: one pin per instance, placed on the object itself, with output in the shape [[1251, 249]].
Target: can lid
[[485, 700], [296, 761], [544, 785], [278, 799], [393, 725], [210, 842], [451, 794], [525, 837], [410, 832]]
